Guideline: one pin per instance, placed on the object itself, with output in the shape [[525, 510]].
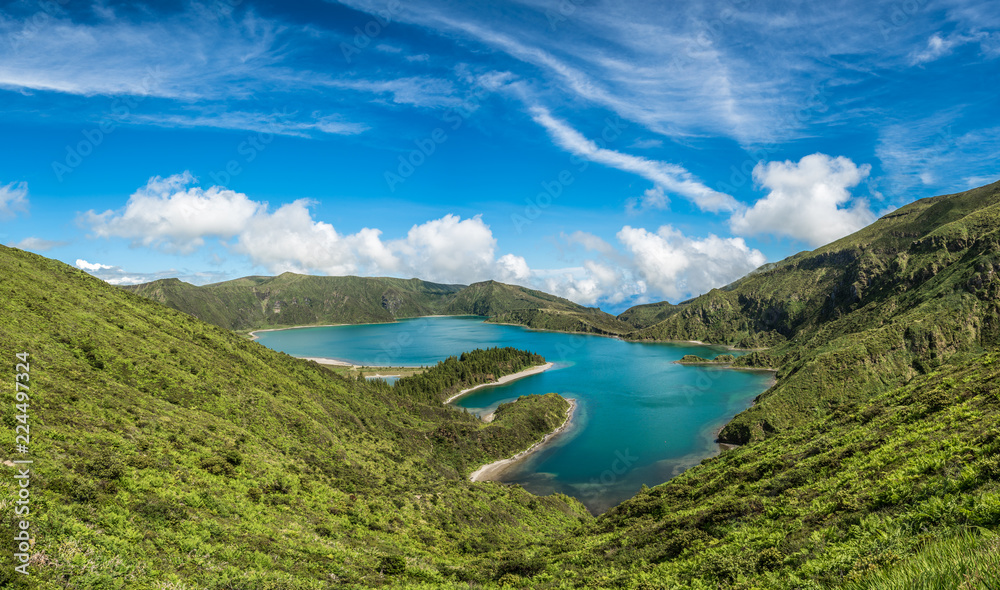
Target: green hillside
[[169, 452], [294, 300], [912, 291], [866, 497], [291, 299], [643, 316]]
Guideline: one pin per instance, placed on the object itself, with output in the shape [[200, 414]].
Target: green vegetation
[[643, 316], [848, 498], [966, 561], [170, 453], [907, 295], [296, 300], [454, 374], [293, 300], [693, 359]]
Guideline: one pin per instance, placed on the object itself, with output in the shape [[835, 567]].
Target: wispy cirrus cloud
[[13, 199], [669, 177]]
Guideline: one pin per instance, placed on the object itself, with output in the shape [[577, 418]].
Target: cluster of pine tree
[[471, 368]]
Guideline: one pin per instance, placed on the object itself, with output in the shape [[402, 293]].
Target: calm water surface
[[640, 418]]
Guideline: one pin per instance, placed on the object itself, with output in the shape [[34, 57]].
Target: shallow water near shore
[[640, 419]]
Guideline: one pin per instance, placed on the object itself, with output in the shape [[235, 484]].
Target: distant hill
[[169, 449], [171, 453], [292, 300], [643, 316], [899, 298]]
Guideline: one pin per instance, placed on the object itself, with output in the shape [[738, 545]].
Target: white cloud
[[117, 275], [450, 249], [13, 199], [592, 283], [676, 266], [645, 144], [666, 176], [290, 240], [173, 215], [930, 156], [278, 123], [938, 46], [513, 269], [169, 214], [589, 242], [38, 244], [91, 266], [808, 201]]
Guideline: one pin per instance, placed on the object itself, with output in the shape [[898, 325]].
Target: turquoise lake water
[[640, 418]]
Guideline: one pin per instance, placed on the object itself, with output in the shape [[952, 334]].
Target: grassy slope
[[649, 314], [172, 453], [291, 299], [511, 304], [848, 498], [869, 311]]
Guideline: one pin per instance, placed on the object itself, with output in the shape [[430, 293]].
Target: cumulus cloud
[[596, 281], [449, 248], [91, 266], [677, 266], [169, 214], [173, 214], [13, 199], [808, 201], [289, 240]]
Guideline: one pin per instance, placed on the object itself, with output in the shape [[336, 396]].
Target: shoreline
[[621, 337], [491, 471], [347, 364], [505, 379], [253, 333]]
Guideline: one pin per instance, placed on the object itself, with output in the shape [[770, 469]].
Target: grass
[[967, 561], [171, 453]]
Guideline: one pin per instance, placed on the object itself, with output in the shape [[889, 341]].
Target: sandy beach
[[492, 471], [326, 361], [502, 380], [253, 335]]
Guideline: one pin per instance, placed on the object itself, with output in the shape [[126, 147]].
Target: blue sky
[[609, 152]]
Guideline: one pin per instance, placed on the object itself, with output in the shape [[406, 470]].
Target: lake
[[640, 418]]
